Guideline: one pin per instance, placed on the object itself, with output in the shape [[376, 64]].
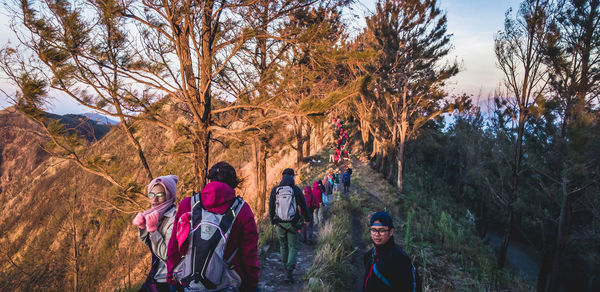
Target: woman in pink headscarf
[[154, 229]]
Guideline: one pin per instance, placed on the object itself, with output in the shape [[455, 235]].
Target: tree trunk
[[506, 238], [260, 167], [546, 261], [364, 131], [308, 138], [561, 237], [201, 148], [514, 183], [400, 159], [299, 143], [75, 245], [201, 99], [317, 139], [391, 166]]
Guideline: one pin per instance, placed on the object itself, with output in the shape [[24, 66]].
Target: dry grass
[[332, 269]]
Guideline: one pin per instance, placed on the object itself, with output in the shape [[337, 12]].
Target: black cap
[[384, 218], [288, 171]]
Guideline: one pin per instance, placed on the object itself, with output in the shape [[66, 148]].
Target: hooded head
[[169, 183], [218, 193]]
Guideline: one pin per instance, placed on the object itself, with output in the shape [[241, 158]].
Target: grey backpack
[[204, 267], [285, 203]]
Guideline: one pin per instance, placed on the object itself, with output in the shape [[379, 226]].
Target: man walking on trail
[[283, 211], [387, 267], [346, 180]]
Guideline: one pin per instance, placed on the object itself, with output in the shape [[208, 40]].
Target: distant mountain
[[85, 126], [98, 118]]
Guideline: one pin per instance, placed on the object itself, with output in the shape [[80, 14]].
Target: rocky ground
[[272, 273]]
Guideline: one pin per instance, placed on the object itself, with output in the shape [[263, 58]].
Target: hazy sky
[[473, 24]]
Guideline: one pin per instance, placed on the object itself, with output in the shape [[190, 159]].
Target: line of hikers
[[339, 153], [210, 241]]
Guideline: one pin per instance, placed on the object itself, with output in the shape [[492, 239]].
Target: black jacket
[[393, 264], [288, 180]]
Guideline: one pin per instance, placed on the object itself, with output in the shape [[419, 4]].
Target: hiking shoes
[[289, 277]]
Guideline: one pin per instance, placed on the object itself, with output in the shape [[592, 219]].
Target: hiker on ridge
[[316, 196], [307, 229], [154, 229], [283, 211], [346, 180], [387, 267], [215, 236]]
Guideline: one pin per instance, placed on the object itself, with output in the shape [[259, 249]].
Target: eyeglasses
[[152, 195], [379, 231]]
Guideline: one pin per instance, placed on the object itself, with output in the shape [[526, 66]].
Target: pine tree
[[411, 40]]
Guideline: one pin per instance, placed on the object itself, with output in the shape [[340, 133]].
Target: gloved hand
[[183, 230], [139, 221], [152, 221]]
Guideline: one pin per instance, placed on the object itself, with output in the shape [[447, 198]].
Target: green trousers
[[288, 244]]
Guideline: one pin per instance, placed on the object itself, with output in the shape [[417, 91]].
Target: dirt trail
[[272, 273], [272, 277]]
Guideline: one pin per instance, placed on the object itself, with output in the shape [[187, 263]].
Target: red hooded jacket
[[216, 197], [316, 193]]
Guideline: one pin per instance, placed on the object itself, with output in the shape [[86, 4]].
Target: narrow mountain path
[[272, 274]]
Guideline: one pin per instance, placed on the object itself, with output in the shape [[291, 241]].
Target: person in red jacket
[[216, 197], [307, 229], [316, 196], [336, 156]]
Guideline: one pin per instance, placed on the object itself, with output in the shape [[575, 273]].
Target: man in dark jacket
[[288, 227], [387, 267], [346, 180]]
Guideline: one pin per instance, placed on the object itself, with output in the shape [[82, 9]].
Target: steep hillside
[[20, 151]]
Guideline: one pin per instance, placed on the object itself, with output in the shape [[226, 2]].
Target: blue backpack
[[346, 178]]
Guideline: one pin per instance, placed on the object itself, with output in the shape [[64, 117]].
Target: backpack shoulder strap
[[413, 271], [195, 199], [237, 205], [376, 271]]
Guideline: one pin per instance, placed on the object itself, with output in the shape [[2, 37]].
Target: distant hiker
[[214, 245], [154, 229], [343, 139], [336, 182], [284, 202], [323, 190], [307, 229], [317, 200], [387, 267], [331, 152], [328, 186], [345, 154], [346, 180], [336, 156]]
